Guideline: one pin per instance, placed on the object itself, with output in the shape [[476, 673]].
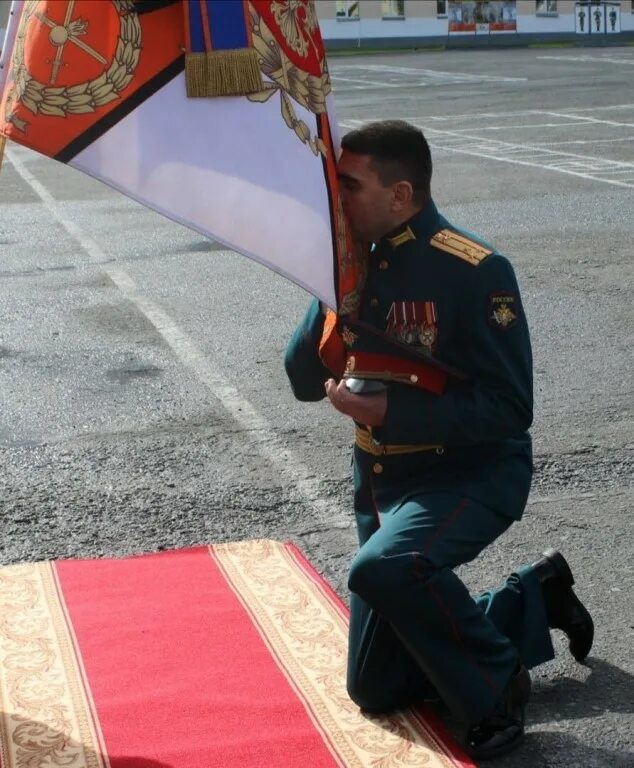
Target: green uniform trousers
[[415, 631]]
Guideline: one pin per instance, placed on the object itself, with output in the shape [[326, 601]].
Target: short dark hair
[[399, 150]]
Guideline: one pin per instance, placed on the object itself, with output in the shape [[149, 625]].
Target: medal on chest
[[414, 323]]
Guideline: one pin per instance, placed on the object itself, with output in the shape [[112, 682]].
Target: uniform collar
[[420, 227]]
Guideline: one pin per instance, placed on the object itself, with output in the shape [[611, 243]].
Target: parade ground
[[144, 403]]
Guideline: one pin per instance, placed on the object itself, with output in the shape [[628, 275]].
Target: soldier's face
[[368, 204]]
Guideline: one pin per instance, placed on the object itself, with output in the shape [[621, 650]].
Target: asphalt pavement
[[144, 406]]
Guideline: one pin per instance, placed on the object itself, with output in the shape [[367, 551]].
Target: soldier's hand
[[366, 409]]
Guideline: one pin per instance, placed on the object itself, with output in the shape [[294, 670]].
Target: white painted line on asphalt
[[440, 73], [618, 171], [259, 431], [580, 141], [592, 59], [501, 116], [583, 166], [409, 77], [590, 119], [475, 115], [593, 169], [513, 113], [511, 146], [607, 108], [375, 84], [525, 126]]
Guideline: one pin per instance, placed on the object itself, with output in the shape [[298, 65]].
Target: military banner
[[216, 113]]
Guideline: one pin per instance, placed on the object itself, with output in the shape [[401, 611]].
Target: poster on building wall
[[582, 19], [613, 19], [597, 19], [482, 16], [461, 16], [481, 12], [502, 16]]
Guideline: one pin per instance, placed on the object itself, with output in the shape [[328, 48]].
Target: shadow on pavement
[[543, 749], [606, 689]]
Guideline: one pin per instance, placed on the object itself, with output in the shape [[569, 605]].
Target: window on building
[[347, 9], [441, 7], [393, 9], [545, 6]]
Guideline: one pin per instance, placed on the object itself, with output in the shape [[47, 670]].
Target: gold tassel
[[234, 73], [223, 73], [196, 75], [3, 142]]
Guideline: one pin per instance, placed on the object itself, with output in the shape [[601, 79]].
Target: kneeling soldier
[[442, 467]]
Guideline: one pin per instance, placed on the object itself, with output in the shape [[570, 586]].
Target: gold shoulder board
[[459, 245]]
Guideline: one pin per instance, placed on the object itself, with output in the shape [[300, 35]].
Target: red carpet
[[219, 657]]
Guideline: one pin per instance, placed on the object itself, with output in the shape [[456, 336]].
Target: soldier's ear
[[403, 193]]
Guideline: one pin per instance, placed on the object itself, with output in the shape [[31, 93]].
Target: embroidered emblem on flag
[[73, 62], [102, 85], [414, 323]]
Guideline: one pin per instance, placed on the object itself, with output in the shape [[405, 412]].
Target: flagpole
[[15, 12]]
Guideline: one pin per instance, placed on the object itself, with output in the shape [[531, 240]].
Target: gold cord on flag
[[217, 71]]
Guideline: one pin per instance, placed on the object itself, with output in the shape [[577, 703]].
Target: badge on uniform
[[348, 337], [414, 323], [502, 312]]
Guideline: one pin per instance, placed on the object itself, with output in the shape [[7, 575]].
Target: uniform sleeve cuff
[[404, 416]]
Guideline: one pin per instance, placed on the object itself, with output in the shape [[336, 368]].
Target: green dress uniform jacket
[[443, 477]]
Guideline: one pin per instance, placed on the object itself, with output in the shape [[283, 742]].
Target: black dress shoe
[[564, 610], [503, 729]]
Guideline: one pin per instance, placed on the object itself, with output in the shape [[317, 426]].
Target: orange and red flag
[[103, 86]]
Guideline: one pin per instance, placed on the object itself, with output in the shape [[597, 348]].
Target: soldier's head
[[384, 175]]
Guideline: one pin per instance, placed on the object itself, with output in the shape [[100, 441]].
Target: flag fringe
[[223, 73], [3, 142]]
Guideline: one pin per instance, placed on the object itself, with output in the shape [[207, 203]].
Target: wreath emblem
[[83, 98]]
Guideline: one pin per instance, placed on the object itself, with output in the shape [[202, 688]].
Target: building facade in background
[[453, 23], [408, 23]]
